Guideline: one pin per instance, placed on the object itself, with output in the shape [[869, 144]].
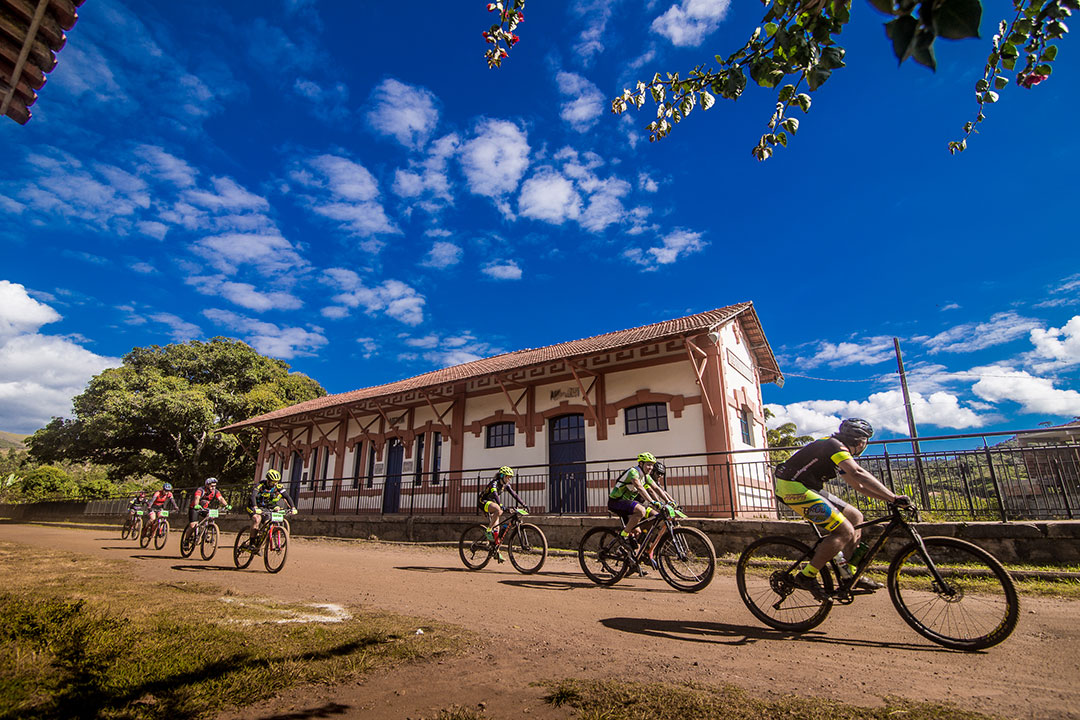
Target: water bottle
[[842, 564], [859, 553]]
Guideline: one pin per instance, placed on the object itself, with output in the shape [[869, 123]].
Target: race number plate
[[164, 513], [213, 513], [277, 517], [139, 512]]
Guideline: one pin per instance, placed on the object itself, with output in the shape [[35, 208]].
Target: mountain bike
[[158, 531], [684, 556], [524, 542], [948, 590], [271, 539], [133, 525], [204, 535]]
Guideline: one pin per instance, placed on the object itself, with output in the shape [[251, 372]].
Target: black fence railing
[[1012, 480]]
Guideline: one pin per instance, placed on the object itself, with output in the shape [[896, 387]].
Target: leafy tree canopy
[[156, 414], [784, 436]]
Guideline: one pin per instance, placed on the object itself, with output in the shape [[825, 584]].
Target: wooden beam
[[42, 54], [699, 371]]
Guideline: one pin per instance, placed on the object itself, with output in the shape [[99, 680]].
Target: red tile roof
[[668, 329]]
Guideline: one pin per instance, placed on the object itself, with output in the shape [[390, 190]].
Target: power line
[[882, 378]]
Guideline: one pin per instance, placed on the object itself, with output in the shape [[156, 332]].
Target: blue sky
[[348, 187]]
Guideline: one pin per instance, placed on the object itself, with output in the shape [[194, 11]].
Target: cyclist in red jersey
[[202, 498], [158, 501]]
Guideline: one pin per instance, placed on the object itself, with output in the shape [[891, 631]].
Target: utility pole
[[912, 430]]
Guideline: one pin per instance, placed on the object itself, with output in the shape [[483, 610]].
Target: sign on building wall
[[565, 393]]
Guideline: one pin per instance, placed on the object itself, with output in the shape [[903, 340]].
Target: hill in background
[[12, 440]]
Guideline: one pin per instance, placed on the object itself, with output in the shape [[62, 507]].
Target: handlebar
[[908, 508]]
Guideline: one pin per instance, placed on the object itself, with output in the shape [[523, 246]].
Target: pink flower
[[514, 40], [491, 7], [503, 53], [1030, 81], [521, 17]]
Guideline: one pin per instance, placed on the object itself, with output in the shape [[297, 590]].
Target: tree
[[156, 414], [784, 436], [45, 482], [797, 39]]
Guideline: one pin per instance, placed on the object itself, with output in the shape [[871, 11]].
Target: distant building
[[567, 417]]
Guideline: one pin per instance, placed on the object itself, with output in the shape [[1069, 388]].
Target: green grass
[[81, 638], [618, 700], [12, 440]]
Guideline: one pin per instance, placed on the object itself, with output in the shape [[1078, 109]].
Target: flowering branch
[[501, 35]]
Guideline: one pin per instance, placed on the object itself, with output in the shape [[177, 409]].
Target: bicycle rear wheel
[[687, 559], [474, 547], [277, 548], [128, 527], [188, 540], [528, 548], [209, 543], [241, 557], [976, 608], [161, 535], [603, 556], [764, 577], [145, 535]]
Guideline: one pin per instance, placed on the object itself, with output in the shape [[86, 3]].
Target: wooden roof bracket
[[513, 404], [24, 53], [441, 416], [584, 392], [364, 428], [699, 371]]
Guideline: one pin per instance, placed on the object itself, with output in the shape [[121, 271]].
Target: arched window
[[500, 434], [645, 418]]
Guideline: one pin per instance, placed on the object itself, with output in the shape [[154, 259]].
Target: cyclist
[[657, 477], [137, 503], [156, 504], [489, 500], [799, 483], [201, 500], [634, 485], [265, 497]]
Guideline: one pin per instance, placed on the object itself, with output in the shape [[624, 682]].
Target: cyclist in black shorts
[[488, 500], [799, 483]]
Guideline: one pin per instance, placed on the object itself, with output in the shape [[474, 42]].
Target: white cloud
[[244, 294], [227, 196], [596, 14], [269, 253], [605, 207], [582, 104], [143, 268], [391, 297], [442, 255], [180, 330], [404, 112], [495, 158], [268, 338], [647, 184], [678, 244], [328, 102], [1001, 328], [503, 270], [1056, 348], [1001, 383], [164, 166], [950, 306], [345, 191], [1064, 293], [549, 196], [153, 229], [429, 177], [444, 351], [884, 410], [689, 22], [39, 374], [869, 351]]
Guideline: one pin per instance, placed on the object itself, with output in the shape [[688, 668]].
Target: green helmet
[[646, 457], [273, 475], [507, 471]]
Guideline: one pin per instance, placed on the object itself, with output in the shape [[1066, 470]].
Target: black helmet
[[855, 429], [658, 470]]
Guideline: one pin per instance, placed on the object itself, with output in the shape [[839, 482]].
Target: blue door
[[294, 476], [566, 464], [395, 454]]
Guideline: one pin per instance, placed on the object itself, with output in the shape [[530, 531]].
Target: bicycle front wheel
[[976, 607], [161, 535], [146, 535], [277, 548], [474, 547], [126, 530], [687, 559], [209, 543], [764, 577], [528, 548], [603, 556], [188, 540], [241, 557]]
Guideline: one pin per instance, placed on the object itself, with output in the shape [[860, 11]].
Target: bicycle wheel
[[474, 547], [763, 576], [209, 543], [528, 548], [129, 525], [136, 528], [145, 535], [161, 535], [687, 559], [188, 540], [276, 548], [603, 556], [976, 608], [241, 558]]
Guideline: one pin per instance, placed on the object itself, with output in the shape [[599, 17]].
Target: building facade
[[568, 418]]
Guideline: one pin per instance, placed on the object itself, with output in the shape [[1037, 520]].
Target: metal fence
[[1004, 481]]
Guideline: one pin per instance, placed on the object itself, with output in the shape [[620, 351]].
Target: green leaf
[[765, 72], [1043, 69], [902, 33], [982, 85], [885, 6], [707, 100], [817, 77], [832, 57], [957, 19], [1000, 82], [781, 138], [990, 96], [923, 53], [770, 29], [791, 125], [1049, 53], [786, 93], [804, 102]]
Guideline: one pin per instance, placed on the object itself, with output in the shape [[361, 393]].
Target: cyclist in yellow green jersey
[[489, 501], [635, 486], [799, 484], [265, 497]]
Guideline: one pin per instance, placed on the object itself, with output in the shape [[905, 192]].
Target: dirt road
[[557, 624]]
